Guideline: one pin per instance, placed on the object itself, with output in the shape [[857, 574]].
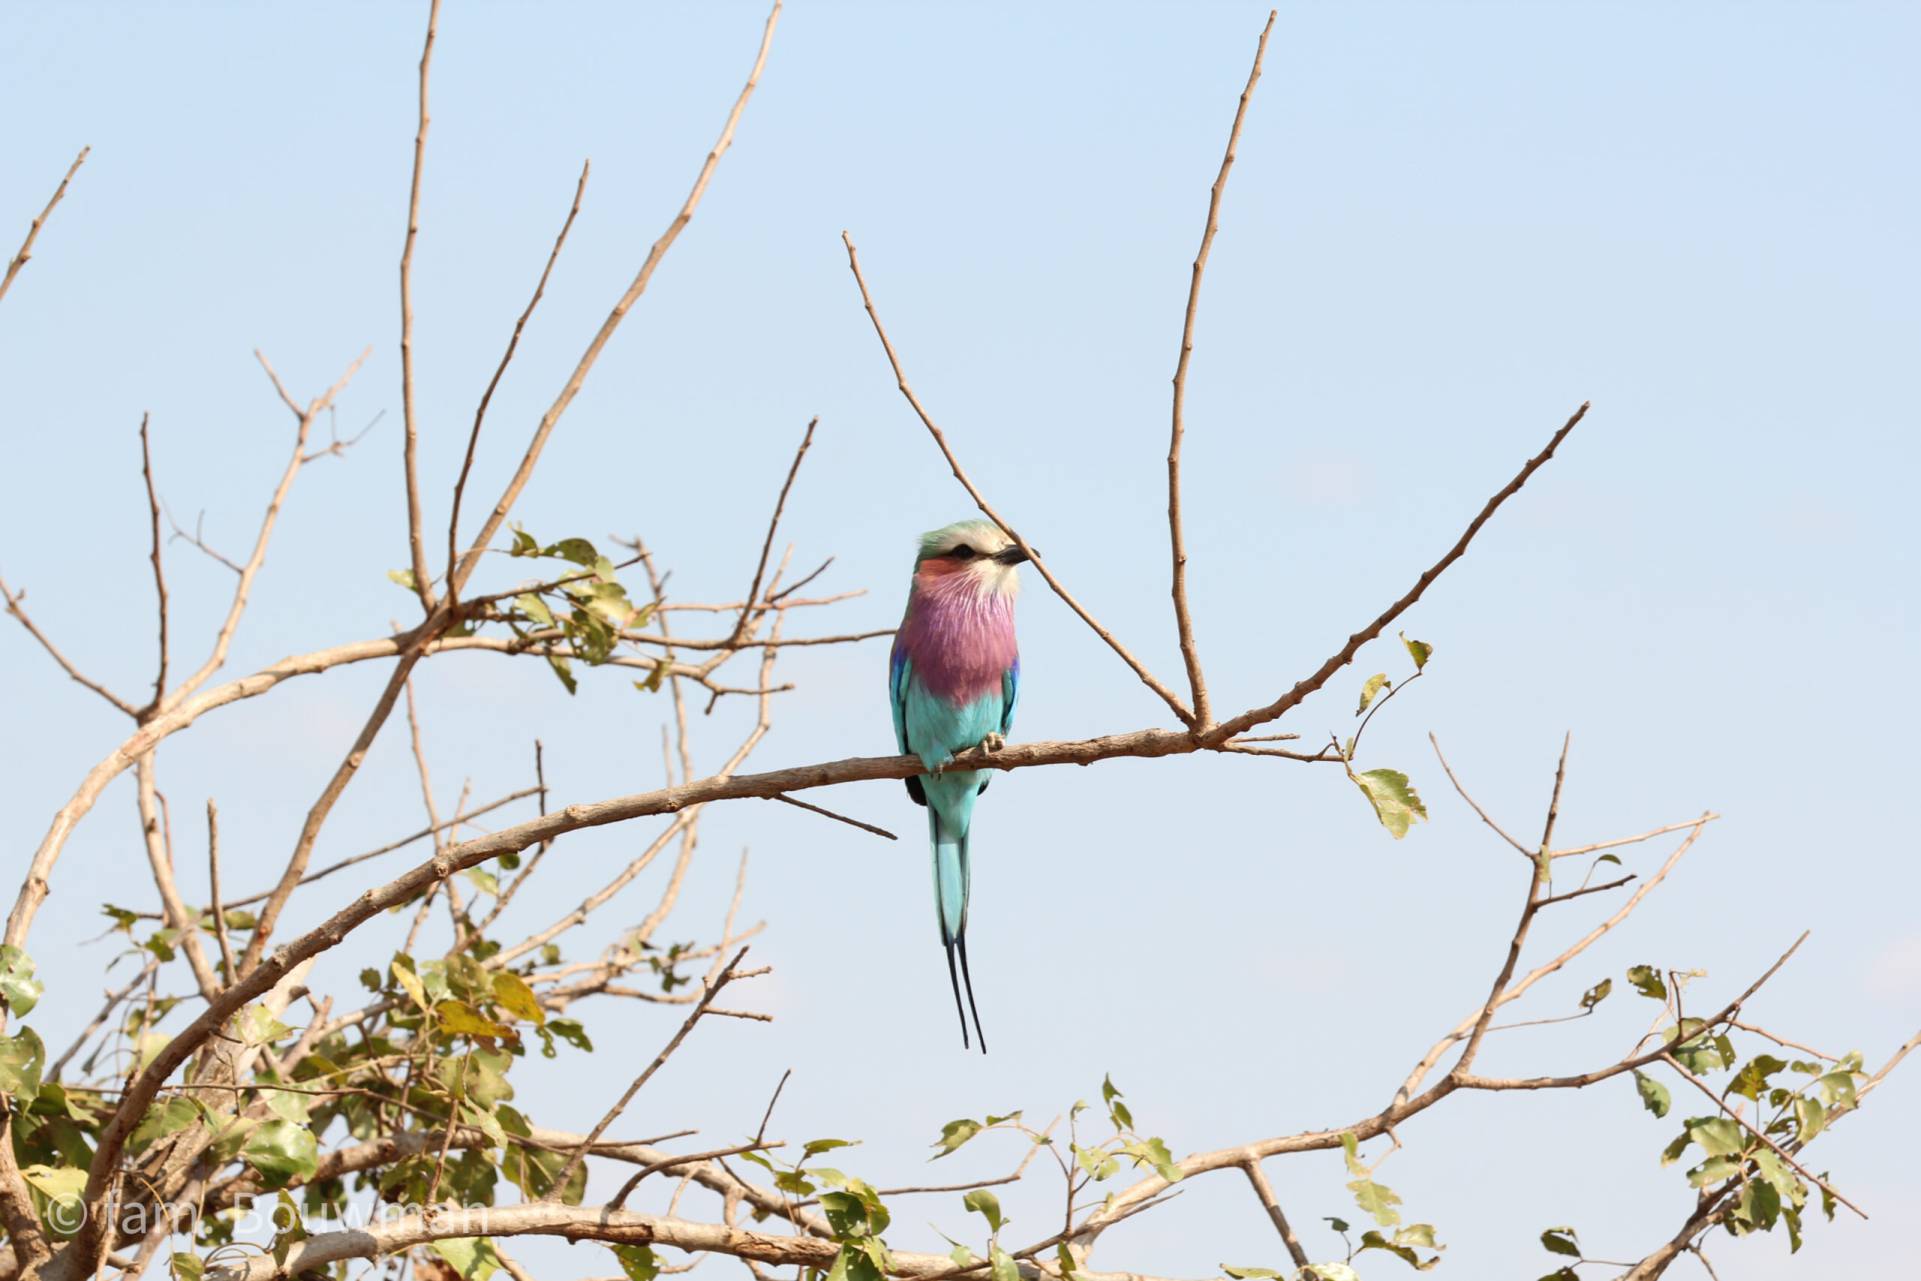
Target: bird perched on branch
[[953, 682]]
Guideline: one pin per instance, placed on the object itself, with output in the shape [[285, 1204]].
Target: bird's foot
[[993, 742]]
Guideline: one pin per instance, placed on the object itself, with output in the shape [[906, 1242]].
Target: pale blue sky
[[1449, 224]]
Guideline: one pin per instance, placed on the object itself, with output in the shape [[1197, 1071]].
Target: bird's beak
[[1011, 556]]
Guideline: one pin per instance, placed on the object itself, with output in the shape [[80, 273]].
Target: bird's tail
[[953, 879]]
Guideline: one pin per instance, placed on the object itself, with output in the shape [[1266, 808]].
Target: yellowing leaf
[[1394, 799], [517, 998], [1374, 685]]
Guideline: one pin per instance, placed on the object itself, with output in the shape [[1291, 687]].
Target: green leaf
[[1778, 1173], [1647, 981], [472, 1257], [1098, 1162], [953, 1134], [1839, 1088], [1561, 1240], [405, 577], [987, 1205], [1002, 1264], [1714, 1170], [563, 670], [1250, 1274], [18, 988], [1760, 1205], [577, 550], [22, 1059], [814, 1147], [1395, 801], [1810, 1117], [289, 1230], [258, 1026], [637, 1261], [1752, 1080], [963, 1256], [483, 880], [998, 1120], [514, 996], [570, 1031], [1378, 1200], [1351, 1153], [282, 1152], [534, 608], [123, 920], [1339, 1225], [62, 1189], [1335, 1272], [1373, 685], [162, 1119], [1717, 1135], [186, 1267], [1419, 651], [1596, 994], [1654, 1095], [1372, 1240]]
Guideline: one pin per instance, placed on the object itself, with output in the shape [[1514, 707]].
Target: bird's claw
[[993, 742]]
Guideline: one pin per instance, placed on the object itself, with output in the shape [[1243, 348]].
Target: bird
[[953, 680]]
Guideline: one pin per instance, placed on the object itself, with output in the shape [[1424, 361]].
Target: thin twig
[[213, 880], [839, 818], [1342, 657], [159, 573], [574, 1158], [1649, 835], [410, 437], [1783, 1041], [13, 601], [1177, 541], [1148, 678], [513, 343], [522, 474], [391, 846], [773, 525], [26, 246]]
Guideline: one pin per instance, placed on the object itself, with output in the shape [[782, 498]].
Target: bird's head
[[969, 554]]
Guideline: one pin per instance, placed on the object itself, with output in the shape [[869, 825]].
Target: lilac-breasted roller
[[953, 682]]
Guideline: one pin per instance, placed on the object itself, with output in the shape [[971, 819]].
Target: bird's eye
[[963, 552]]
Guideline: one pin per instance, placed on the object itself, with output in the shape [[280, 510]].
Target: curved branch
[[1345, 655], [458, 575], [1177, 540]]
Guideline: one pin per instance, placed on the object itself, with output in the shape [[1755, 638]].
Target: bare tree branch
[[1342, 657], [416, 543], [1148, 678], [506, 358], [19, 260], [159, 573], [464, 570], [1177, 539], [14, 607]]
